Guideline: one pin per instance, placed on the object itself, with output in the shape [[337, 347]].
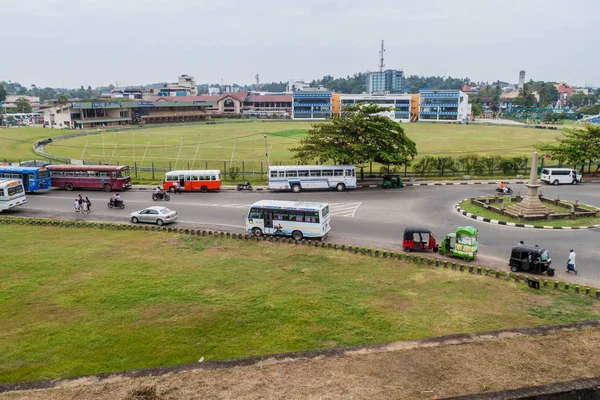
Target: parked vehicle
[[105, 177], [289, 218], [531, 259], [420, 239], [32, 178], [116, 204], [244, 186], [303, 177], [193, 180], [507, 191], [461, 244], [392, 181], [161, 196], [155, 215], [556, 176]]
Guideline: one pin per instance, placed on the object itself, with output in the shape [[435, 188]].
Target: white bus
[[556, 176], [12, 194], [300, 177], [289, 218]]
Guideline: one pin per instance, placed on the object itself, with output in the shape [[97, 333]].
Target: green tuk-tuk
[[392, 181], [461, 244]]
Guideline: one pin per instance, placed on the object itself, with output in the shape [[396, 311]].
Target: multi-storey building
[[443, 105], [388, 81], [400, 104], [311, 104]]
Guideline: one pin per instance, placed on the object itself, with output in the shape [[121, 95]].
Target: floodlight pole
[[266, 150]]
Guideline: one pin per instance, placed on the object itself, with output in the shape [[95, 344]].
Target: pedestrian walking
[[76, 205], [177, 188], [89, 204], [84, 207], [571, 262]]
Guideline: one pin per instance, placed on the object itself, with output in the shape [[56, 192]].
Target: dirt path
[[507, 361]]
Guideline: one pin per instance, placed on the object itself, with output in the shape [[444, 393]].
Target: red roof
[[106, 168], [266, 99]]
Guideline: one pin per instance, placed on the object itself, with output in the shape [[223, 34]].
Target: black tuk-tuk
[[420, 239], [531, 259], [392, 181]]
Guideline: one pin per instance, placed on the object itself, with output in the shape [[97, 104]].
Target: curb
[[518, 225], [448, 340]]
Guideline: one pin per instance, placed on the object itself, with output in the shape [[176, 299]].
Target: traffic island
[[560, 214]]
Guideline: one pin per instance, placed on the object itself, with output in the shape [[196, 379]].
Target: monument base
[[531, 204]]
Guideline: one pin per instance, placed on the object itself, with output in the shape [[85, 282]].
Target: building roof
[[266, 98]]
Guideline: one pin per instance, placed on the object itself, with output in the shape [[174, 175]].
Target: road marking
[[343, 209]]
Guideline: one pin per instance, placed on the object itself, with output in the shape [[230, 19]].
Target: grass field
[[116, 300], [216, 143], [482, 212]]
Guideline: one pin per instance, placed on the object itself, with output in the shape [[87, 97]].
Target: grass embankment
[[482, 212], [78, 302], [15, 143]]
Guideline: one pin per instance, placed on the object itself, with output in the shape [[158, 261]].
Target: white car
[[155, 215]]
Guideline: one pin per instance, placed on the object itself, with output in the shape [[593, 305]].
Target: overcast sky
[[68, 43]]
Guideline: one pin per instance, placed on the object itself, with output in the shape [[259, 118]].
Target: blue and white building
[[400, 104], [311, 104], [443, 106]]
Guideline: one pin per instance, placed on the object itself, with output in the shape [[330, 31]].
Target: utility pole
[[266, 150], [381, 64]]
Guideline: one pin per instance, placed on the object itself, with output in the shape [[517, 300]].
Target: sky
[[68, 43]]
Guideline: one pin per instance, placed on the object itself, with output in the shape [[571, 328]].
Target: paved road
[[372, 218]]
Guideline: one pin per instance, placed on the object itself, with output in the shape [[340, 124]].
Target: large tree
[[2, 93], [576, 146], [525, 98], [360, 135], [23, 105]]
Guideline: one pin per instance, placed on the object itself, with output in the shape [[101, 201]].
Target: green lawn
[[83, 301], [205, 145], [482, 212], [15, 143]]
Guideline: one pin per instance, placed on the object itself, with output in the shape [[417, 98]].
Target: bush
[[511, 165], [468, 162], [233, 173]]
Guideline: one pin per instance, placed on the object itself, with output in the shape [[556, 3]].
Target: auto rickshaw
[[461, 244], [419, 239], [392, 181], [531, 259]]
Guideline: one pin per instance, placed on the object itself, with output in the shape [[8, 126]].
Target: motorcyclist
[[116, 199], [502, 187], [158, 192]]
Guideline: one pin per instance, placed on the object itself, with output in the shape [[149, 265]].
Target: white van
[[557, 176]]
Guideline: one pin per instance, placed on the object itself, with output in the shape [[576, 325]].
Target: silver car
[[156, 215]]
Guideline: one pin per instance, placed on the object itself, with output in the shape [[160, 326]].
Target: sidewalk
[[373, 185]]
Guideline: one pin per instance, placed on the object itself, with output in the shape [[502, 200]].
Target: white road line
[[356, 208]]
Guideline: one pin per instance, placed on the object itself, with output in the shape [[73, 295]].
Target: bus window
[[325, 211], [213, 178], [327, 172], [302, 173], [171, 178], [315, 173], [281, 174], [194, 177], [291, 174], [298, 217], [311, 216], [338, 172], [188, 178], [348, 172], [273, 174], [1, 192], [280, 216], [255, 213]]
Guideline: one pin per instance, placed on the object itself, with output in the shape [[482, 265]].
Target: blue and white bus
[[301, 177], [289, 218], [12, 194], [33, 178]]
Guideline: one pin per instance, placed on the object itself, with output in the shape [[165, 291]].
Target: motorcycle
[[507, 191], [244, 186], [160, 196], [114, 204]]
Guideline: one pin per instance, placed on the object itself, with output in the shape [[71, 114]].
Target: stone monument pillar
[[531, 206]]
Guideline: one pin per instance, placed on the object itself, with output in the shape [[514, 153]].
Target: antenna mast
[[257, 82], [381, 64]]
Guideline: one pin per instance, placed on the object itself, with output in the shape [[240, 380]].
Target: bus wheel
[[296, 188], [340, 187], [257, 232], [297, 235], [69, 186], [107, 187], [204, 189], [172, 189]]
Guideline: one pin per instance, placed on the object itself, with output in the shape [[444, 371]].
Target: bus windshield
[[14, 190]]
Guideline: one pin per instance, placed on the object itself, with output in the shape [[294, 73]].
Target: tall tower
[[381, 64], [521, 79]]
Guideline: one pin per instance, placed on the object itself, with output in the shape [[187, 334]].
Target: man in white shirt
[[571, 262]]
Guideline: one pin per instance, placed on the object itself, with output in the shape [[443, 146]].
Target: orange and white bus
[[193, 180]]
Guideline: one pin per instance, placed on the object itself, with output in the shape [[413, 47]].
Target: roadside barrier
[[473, 270]]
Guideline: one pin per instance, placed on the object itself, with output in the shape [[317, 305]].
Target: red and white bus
[[193, 180], [107, 177]]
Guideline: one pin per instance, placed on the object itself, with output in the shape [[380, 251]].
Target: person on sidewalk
[[177, 189], [571, 262]]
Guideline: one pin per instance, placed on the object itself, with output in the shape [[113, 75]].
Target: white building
[[294, 86], [400, 104], [443, 106]]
